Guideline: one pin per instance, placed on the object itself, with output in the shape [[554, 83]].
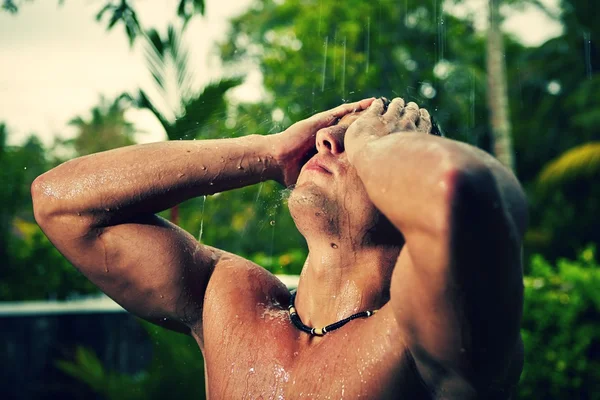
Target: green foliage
[[315, 55], [582, 162], [181, 109], [176, 370], [31, 266], [106, 129], [561, 330], [252, 222]]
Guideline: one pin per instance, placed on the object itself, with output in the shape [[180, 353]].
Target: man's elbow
[[489, 193], [41, 196], [48, 208]]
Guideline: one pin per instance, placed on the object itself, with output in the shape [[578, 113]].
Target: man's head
[[329, 199]]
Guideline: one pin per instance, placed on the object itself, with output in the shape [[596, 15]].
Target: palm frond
[[187, 9], [144, 102], [577, 163], [201, 108]]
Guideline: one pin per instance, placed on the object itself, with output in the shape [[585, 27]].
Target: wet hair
[[435, 128]]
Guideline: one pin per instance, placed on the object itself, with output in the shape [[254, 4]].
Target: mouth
[[317, 165]]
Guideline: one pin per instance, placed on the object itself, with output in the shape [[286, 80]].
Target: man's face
[[329, 196]]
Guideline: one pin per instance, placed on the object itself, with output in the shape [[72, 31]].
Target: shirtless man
[[423, 229]]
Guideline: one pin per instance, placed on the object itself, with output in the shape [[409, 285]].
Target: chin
[[311, 208]]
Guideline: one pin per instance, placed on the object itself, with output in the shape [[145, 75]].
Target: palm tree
[[496, 89], [181, 110], [106, 129]]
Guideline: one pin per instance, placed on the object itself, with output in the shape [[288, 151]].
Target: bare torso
[[252, 351]]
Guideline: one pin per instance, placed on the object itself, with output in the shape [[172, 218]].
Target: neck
[[339, 280]]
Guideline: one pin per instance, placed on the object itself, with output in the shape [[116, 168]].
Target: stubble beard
[[314, 211]]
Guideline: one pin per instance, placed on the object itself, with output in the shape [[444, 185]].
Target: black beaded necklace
[[295, 318]]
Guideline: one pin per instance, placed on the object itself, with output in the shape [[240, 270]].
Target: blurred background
[[517, 78]]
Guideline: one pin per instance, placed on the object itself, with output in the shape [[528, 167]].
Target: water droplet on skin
[[203, 168], [258, 159], [318, 214], [240, 167], [334, 246], [79, 214], [181, 175]]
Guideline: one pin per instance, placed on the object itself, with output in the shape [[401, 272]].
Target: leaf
[[187, 8], [201, 108], [156, 42], [104, 9], [144, 102]]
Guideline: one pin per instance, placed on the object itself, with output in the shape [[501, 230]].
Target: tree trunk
[[497, 95]]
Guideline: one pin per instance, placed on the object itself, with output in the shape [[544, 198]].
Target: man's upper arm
[[458, 292], [149, 266]]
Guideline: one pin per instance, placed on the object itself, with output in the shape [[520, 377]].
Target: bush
[[176, 370], [561, 330]]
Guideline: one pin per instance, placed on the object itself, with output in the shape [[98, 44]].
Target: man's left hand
[[377, 121]]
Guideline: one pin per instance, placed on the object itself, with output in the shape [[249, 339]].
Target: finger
[[330, 117], [365, 103], [424, 122], [346, 108], [411, 112], [376, 107], [395, 108]]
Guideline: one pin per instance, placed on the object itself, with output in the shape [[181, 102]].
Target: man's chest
[[268, 358]]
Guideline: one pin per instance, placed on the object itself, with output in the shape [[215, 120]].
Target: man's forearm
[[149, 178], [410, 177]]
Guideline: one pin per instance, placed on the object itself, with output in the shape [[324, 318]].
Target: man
[[422, 229]]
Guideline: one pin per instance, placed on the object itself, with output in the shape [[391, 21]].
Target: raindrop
[[587, 43], [368, 41], [427, 90], [344, 69], [324, 71], [202, 219], [553, 87]]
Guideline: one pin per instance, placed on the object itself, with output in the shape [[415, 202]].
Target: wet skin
[[448, 288], [257, 348]]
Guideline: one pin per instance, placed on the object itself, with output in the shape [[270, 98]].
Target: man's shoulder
[[241, 282]]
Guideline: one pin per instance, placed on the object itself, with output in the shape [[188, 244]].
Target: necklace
[[295, 318]]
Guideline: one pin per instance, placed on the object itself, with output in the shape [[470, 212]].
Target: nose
[[331, 139]]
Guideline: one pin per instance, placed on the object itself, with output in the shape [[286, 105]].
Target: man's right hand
[[294, 146]]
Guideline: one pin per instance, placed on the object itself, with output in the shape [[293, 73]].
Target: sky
[[56, 61]]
